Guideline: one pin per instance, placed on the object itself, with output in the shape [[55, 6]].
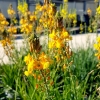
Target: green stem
[[45, 83], [16, 89]]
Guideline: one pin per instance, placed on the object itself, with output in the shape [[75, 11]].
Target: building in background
[[81, 6]]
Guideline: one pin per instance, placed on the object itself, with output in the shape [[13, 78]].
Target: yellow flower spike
[[26, 73], [22, 7], [1, 29], [52, 35], [98, 55], [4, 23], [23, 21], [2, 18], [98, 39], [27, 59], [27, 28], [89, 11], [51, 44], [59, 43], [8, 41], [65, 1], [44, 60], [98, 10], [38, 65], [38, 7], [96, 46], [36, 12], [42, 56], [40, 20], [32, 18], [64, 35], [30, 66], [10, 10], [63, 13], [45, 65], [12, 30], [3, 42]]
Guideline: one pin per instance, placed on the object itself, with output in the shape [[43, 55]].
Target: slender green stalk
[[46, 86]]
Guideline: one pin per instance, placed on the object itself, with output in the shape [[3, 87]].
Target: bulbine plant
[[45, 65]]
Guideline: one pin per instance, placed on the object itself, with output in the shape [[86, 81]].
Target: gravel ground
[[79, 40]]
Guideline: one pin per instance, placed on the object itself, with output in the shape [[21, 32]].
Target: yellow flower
[[51, 44], [44, 59], [27, 28], [10, 10], [98, 39], [32, 17], [98, 10], [65, 1], [38, 65], [59, 43], [42, 56], [63, 13], [12, 29], [3, 42], [2, 18], [30, 65], [97, 46], [45, 65], [27, 59], [23, 21], [70, 16], [52, 35], [40, 20], [22, 7], [6, 42], [26, 73], [89, 11], [2, 29], [98, 55], [38, 7], [64, 34], [4, 23]]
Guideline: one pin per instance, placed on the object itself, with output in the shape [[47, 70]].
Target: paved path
[[80, 40]]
